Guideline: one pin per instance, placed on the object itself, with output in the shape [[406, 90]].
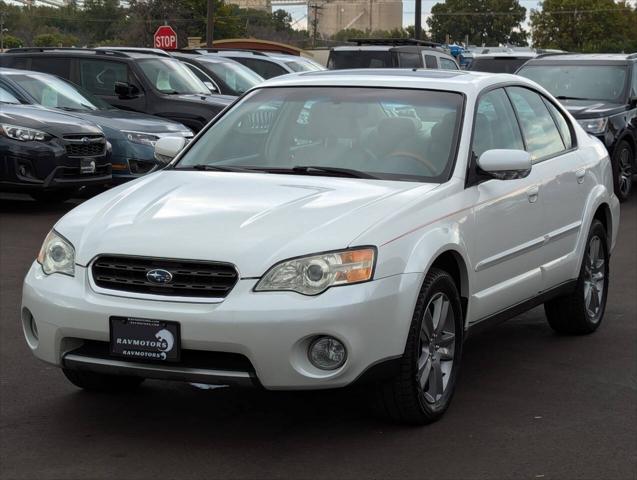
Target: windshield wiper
[[345, 172], [565, 97], [216, 168]]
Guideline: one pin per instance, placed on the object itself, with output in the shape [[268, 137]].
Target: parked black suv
[[600, 91], [129, 80], [48, 154], [390, 53]]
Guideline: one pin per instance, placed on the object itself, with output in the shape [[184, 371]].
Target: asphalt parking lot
[[529, 404]]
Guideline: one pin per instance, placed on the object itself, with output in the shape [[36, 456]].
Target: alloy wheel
[[436, 348], [594, 278], [625, 171]]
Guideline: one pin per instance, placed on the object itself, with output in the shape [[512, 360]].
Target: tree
[[585, 25], [485, 22]]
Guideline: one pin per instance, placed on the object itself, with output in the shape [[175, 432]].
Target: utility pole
[[418, 20], [315, 21], [210, 16], [2, 30]]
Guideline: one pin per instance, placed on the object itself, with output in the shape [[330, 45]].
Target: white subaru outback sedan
[[332, 228]]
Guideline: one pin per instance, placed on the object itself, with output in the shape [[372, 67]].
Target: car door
[[99, 77], [550, 141], [506, 247]]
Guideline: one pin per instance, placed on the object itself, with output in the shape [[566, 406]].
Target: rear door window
[[447, 64], [99, 76], [542, 137], [430, 61], [409, 60], [262, 67], [55, 66]]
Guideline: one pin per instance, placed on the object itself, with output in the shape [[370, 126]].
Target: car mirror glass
[[505, 164]]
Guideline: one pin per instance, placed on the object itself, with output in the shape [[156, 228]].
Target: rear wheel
[[622, 162], [582, 311], [422, 391], [99, 382]]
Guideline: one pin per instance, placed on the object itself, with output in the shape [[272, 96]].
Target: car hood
[[252, 220], [124, 120], [591, 108], [51, 122]]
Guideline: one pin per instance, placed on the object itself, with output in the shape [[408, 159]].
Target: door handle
[[533, 192], [580, 174]]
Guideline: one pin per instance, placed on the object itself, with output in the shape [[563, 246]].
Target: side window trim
[[517, 119]]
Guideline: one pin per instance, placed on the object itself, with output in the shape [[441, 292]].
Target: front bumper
[[34, 166], [272, 330]]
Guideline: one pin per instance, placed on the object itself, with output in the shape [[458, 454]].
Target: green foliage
[[9, 41], [106, 22], [585, 26], [348, 33], [487, 22], [55, 40]]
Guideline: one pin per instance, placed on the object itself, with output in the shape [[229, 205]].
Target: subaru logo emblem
[[159, 276]]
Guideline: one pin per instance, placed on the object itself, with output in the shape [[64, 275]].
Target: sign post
[[165, 38]]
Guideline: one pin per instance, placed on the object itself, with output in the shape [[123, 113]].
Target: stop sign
[[165, 38]]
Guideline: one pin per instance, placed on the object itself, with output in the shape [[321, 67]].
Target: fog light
[[327, 353]]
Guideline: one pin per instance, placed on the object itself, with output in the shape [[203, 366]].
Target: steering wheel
[[432, 169]]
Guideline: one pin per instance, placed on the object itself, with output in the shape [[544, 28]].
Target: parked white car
[[329, 228]]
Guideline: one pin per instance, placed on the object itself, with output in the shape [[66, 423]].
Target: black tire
[[402, 398], [622, 162], [99, 382], [53, 196], [570, 314]]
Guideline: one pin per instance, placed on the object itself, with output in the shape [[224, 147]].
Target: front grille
[[85, 145], [189, 278]]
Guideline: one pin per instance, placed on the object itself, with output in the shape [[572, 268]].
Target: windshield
[[498, 64], [301, 66], [237, 77], [171, 76], [586, 82], [340, 59], [53, 92], [390, 133]]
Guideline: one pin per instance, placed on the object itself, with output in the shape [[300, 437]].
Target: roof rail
[[551, 54], [63, 49], [194, 51], [147, 51], [393, 41], [242, 50]]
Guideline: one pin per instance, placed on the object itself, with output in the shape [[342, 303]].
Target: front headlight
[[57, 255], [22, 133], [141, 138], [150, 139], [314, 274], [595, 126]]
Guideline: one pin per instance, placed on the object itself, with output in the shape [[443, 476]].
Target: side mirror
[[505, 164], [126, 90], [167, 148], [211, 86]]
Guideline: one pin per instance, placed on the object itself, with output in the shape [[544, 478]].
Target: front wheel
[[582, 311], [422, 391], [622, 163]]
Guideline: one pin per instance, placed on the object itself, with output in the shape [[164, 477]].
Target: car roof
[[383, 48], [618, 58], [122, 53], [450, 80], [513, 54]]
